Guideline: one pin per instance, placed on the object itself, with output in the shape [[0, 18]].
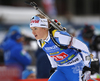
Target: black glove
[[94, 66], [52, 71], [85, 68]]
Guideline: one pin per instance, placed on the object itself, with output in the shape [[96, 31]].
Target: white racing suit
[[69, 62]]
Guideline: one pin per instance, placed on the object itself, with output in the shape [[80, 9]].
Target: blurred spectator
[[42, 64], [96, 44], [28, 74], [10, 31], [12, 47], [16, 55], [5, 46], [87, 35]]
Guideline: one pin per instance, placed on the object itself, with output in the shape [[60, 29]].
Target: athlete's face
[[39, 33]]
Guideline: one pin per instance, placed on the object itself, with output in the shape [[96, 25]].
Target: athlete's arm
[[65, 39]]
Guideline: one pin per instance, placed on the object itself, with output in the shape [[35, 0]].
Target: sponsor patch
[[51, 48], [73, 61], [60, 56], [34, 21]]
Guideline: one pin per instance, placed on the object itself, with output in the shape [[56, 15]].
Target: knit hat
[[26, 73], [16, 36]]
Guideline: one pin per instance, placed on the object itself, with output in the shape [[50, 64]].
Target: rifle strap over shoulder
[[59, 45]]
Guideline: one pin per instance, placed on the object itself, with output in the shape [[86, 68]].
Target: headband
[[38, 22]]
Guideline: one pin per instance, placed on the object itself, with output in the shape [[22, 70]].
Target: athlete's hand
[[86, 76], [86, 73]]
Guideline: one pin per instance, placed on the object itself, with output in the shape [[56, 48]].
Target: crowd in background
[[13, 54]]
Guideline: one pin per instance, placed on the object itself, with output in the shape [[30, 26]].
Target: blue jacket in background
[[14, 54], [11, 29], [8, 44], [5, 43]]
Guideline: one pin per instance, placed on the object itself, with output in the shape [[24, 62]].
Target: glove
[[86, 76], [86, 73], [52, 71]]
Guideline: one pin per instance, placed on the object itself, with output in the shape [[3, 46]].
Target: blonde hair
[[43, 17]]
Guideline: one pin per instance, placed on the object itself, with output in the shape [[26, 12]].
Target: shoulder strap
[[61, 46], [55, 42]]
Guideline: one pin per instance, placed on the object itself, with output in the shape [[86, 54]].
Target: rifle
[[53, 23]]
